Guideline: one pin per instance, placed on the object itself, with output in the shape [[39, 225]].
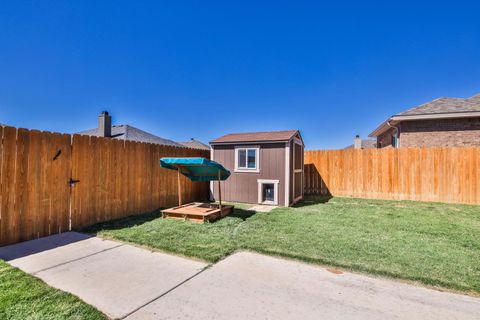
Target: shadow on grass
[[122, 223], [242, 213], [312, 200], [137, 220]]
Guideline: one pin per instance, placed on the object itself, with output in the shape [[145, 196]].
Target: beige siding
[[242, 186]]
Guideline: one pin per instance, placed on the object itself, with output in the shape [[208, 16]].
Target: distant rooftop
[[284, 135], [125, 132], [195, 144], [365, 144]]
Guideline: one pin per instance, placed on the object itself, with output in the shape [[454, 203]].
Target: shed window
[[246, 159]]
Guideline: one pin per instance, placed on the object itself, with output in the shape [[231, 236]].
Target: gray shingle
[[127, 132], [475, 98], [445, 105], [195, 144]]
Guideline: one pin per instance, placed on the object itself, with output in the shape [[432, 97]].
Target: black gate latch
[[72, 182]]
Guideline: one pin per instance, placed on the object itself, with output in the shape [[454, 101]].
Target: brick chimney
[[104, 124], [357, 142]]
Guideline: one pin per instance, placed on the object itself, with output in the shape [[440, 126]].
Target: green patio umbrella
[[196, 169]]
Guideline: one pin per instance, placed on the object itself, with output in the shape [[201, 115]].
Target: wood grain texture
[[449, 175], [34, 188], [114, 179], [123, 178]]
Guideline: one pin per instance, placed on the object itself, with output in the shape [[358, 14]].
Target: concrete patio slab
[[36, 255], [122, 279], [262, 208], [252, 286]]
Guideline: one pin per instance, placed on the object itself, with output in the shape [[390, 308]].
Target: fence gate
[[34, 189]]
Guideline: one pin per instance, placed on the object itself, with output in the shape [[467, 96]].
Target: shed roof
[[267, 136]]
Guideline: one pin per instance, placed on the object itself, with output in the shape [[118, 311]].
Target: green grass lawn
[[25, 297], [436, 244]]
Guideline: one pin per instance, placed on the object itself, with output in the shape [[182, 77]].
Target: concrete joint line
[[77, 259], [165, 293]]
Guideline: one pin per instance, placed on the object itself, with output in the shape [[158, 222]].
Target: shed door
[[297, 171]]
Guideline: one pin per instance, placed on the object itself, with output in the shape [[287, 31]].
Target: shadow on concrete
[[27, 248]]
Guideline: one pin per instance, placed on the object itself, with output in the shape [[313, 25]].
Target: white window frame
[[257, 159], [275, 183]]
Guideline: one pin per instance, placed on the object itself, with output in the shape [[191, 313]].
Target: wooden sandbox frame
[[198, 212]]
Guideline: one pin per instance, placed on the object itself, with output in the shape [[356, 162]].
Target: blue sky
[[182, 69]]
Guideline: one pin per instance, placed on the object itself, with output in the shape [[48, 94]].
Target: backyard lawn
[[25, 297], [436, 244]]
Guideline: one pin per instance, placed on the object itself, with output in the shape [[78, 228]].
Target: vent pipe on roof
[[357, 142], [104, 124]]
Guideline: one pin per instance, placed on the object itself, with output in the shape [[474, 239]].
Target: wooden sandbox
[[197, 212]]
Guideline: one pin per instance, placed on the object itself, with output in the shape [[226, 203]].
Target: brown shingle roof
[[284, 135], [438, 108], [445, 105]]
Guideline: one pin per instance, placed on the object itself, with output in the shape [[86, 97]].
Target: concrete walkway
[[114, 277], [128, 282]]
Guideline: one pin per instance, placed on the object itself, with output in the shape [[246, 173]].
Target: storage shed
[[266, 167]]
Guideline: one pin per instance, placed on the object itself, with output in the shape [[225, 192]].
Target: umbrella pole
[[179, 188], [219, 192]]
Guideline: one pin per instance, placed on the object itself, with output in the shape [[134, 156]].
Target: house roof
[[195, 144], [127, 132], [268, 136], [441, 108], [445, 105]]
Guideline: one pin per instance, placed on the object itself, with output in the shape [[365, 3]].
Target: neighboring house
[[195, 144], [266, 167], [438, 123], [359, 143], [125, 132]]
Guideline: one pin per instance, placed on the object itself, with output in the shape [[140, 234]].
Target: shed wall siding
[[243, 186]]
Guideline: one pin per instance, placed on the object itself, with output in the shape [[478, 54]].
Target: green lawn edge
[[438, 244], [25, 297]]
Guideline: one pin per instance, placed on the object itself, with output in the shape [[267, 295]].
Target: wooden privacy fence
[[424, 174], [51, 183]]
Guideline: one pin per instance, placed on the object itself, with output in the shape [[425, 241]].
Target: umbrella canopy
[[196, 169]]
